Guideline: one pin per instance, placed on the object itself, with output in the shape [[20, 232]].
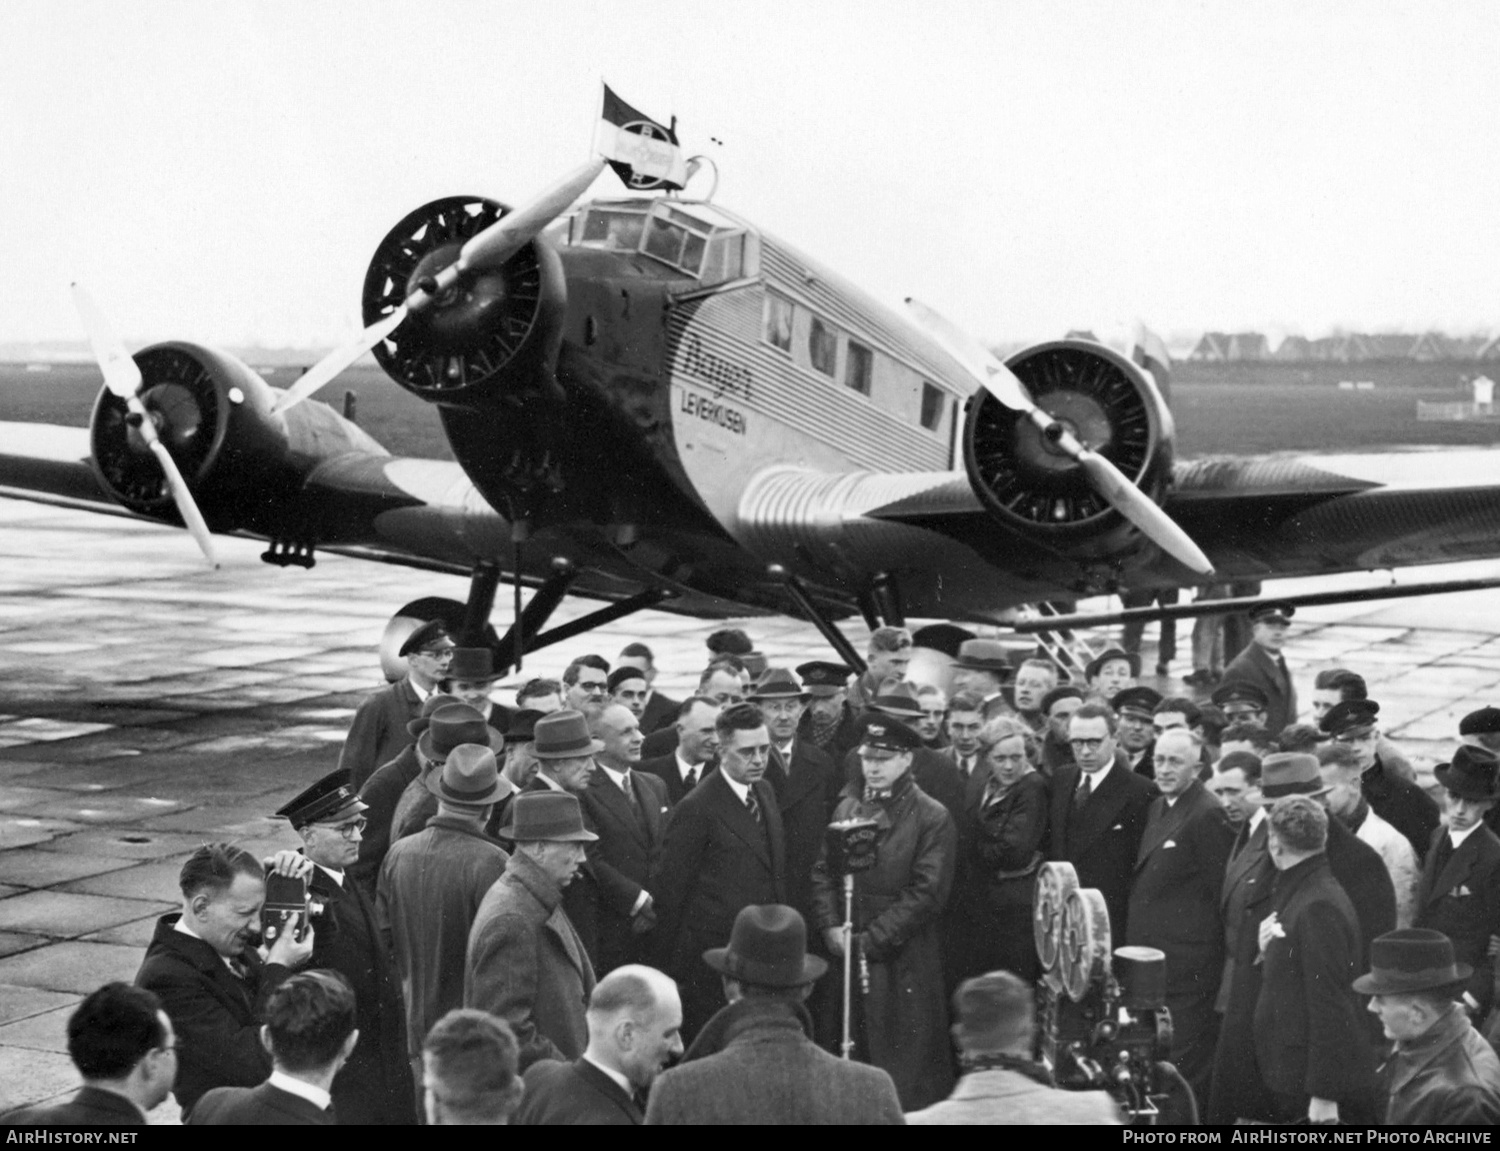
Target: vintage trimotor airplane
[[655, 403]]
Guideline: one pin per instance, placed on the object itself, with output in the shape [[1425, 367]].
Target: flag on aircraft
[[644, 154]]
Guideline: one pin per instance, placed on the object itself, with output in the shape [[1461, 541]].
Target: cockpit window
[[704, 248], [611, 228]]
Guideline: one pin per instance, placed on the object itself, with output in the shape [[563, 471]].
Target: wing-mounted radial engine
[[1024, 472], [213, 414], [491, 335]]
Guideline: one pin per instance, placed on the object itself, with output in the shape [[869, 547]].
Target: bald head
[[618, 728], [635, 1022]]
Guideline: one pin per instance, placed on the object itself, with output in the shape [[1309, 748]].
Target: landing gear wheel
[[1054, 883]]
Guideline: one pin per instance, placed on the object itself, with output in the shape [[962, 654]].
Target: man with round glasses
[[375, 1084], [379, 731]]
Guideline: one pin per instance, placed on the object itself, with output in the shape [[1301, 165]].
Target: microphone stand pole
[[848, 1044]]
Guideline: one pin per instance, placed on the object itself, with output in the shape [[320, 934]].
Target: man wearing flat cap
[[1135, 707], [981, 669], [804, 778], [375, 1084], [1111, 672], [1400, 802], [432, 883], [525, 963], [755, 1061], [1439, 1069], [1459, 893], [1262, 664], [901, 1022], [379, 730], [829, 723]]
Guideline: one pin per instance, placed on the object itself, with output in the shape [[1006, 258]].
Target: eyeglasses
[[348, 830], [1087, 744]]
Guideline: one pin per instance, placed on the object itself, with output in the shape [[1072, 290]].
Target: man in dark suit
[[121, 1041], [375, 1084], [1459, 894], [1399, 801], [724, 850], [660, 710], [724, 681], [1262, 664], [1135, 707], [1099, 812], [1310, 1039], [635, 1030], [379, 730], [309, 1031], [755, 1061], [1174, 899], [684, 766], [210, 980], [627, 809], [382, 792], [804, 778]]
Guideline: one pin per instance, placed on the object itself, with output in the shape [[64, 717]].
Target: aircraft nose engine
[[489, 334], [1024, 478]]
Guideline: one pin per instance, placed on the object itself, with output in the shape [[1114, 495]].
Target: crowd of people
[[603, 905]]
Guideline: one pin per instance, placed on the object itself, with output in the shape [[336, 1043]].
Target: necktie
[[1085, 789], [629, 789], [967, 763], [752, 805], [690, 780], [1444, 854]]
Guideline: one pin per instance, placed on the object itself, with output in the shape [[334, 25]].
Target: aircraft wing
[[1284, 515]]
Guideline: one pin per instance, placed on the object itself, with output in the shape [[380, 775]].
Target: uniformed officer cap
[[1273, 612], [329, 800], [882, 733], [425, 636], [1485, 721], [821, 677], [1140, 701], [1240, 691], [1348, 715]]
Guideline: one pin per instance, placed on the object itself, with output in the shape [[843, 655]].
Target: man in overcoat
[[1262, 664], [379, 730]]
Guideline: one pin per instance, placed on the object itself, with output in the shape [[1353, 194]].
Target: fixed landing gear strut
[[825, 626]]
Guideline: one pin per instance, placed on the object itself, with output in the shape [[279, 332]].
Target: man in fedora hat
[[1262, 664], [724, 850], [755, 1061], [379, 730], [1310, 1040], [935, 772], [805, 779], [374, 1085], [448, 727], [1440, 1070], [382, 792], [432, 883], [470, 678], [525, 963], [1459, 894], [1399, 801], [982, 667]]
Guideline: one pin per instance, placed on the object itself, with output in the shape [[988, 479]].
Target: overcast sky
[[221, 172]]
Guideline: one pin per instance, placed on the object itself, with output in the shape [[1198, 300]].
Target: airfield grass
[[1233, 409]]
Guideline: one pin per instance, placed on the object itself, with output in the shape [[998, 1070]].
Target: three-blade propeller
[[122, 376], [487, 249], [1103, 476]]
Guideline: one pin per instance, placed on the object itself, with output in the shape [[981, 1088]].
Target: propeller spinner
[[122, 376]]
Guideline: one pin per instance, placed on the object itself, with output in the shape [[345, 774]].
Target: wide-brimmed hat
[[777, 683], [767, 947], [1485, 721], [1473, 774], [469, 775], [542, 816], [455, 723], [1412, 959], [522, 725], [474, 664], [429, 705], [1290, 773], [564, 735], [1108, 654], [898, 699], [983, 655]]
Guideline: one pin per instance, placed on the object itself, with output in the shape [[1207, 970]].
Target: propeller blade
[[1104, 477], [121, 375], [337, 360], [181, 496], [513, 231], [1145, 513]]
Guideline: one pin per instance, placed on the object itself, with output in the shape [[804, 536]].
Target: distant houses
[[1348, 348]]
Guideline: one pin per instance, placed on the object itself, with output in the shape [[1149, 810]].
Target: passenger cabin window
[[932, 407], [822, 347], [778, 326], [858, 367]]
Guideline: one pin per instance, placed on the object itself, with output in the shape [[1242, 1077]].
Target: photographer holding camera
[[204, 966], [901, 1020]]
